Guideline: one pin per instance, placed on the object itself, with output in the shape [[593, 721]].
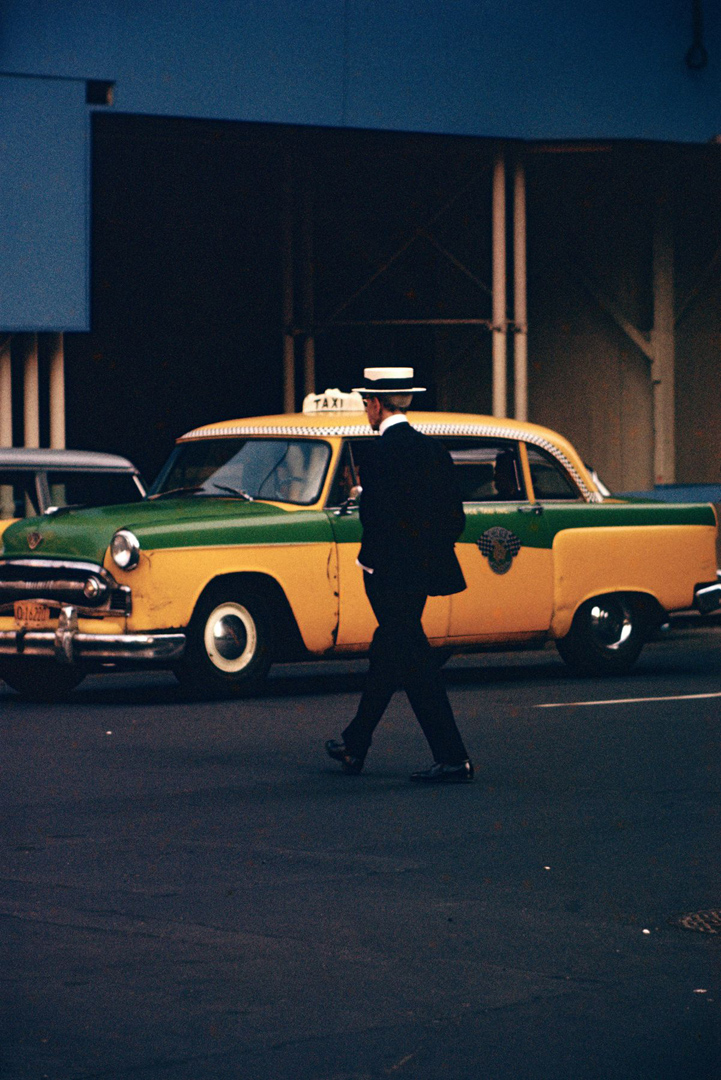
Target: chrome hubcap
[[611, 623], [231, 638]]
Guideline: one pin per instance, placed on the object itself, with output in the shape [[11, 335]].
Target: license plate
[[28, 613]]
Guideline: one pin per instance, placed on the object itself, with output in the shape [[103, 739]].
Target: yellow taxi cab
[[244, 553]]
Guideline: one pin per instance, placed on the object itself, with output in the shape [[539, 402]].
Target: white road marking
[[624, 701]]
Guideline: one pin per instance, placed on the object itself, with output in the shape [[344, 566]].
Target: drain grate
[[705, 922]]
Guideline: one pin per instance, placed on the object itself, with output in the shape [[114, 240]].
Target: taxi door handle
[[346, 507], [530, 508]]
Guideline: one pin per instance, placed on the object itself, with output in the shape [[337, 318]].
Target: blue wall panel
[[532, 69], [43, 205], [513, 70]]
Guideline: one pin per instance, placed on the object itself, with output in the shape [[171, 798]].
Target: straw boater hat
[[388, 380]]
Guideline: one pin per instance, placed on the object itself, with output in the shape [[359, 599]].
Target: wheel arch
[[663, 561], [288, 641], [647, 603], [607, 637]]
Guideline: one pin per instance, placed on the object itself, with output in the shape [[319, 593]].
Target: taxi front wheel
[[40, 680], [228, 651], [606, 636]]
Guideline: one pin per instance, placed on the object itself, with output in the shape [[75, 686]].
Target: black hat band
[[397, 386]]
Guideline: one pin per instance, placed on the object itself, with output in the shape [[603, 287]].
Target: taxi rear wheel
[[228, 651], [606, 636], [40, 680]]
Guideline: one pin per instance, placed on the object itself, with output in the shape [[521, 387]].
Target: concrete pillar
[[500, 328], [309, 364], [308, 288], [31, 391], [520, 287], [56, 351], [31, 399], [288, 292], [663, 363], [6, 394], [6, 420]]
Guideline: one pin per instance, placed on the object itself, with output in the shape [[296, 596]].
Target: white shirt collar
[[396, 418]]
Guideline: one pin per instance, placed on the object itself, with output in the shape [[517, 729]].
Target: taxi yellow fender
[[662, 561], [303, 571]]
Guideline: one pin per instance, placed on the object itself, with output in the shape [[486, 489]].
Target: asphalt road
[[192, 891]]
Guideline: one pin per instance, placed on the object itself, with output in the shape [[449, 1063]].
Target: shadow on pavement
[[323, 678], [144, 688]]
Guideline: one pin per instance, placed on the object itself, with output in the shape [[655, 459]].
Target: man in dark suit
[[411, 515]]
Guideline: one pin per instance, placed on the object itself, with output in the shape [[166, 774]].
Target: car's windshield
[[279, 470], [32, 492], [68, 488]]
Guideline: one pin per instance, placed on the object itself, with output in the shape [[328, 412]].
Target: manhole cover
[[705, 922]]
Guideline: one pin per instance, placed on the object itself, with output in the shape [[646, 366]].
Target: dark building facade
[[212, 210]]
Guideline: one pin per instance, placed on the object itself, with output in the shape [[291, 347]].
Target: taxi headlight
[[125, 549]]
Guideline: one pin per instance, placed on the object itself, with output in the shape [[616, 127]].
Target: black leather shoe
[[351, 763], [445, 774]]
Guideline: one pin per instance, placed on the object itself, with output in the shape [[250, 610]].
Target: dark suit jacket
[[411, 511]]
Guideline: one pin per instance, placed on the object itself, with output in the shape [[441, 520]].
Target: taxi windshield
[[279, 470]]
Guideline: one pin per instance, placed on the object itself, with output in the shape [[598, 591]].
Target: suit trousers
[[401, 658]]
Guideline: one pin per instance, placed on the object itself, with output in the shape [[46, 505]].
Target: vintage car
[[245, 550], [39, 481]]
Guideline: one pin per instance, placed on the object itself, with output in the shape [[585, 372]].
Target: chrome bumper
[[707, 598], [68, 646]]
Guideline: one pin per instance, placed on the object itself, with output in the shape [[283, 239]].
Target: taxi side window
[[488, 471], [550, 480]]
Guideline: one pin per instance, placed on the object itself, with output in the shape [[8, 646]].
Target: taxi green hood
[[185, 522]]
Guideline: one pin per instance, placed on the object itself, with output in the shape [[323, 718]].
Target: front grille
[[120, 600], [61, 583]]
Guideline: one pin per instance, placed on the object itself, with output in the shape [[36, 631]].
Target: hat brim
[[380, 388]]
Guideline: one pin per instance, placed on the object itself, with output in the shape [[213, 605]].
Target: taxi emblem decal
[[500, 547], [34, 540]]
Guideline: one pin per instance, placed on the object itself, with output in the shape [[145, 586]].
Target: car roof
[[30, 459], [340, 423], [355, 424]]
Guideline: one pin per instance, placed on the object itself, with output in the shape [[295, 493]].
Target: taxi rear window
[[550, 480], [488, 471]]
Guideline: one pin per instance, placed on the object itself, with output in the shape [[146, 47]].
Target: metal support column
[[663, 346], [520, 286], [308, 287], [500, 327], [288, 293], [6, 420], [31, 391], [6, 394], [56, 352]]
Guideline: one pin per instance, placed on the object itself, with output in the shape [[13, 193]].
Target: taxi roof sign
[[333, 401]]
